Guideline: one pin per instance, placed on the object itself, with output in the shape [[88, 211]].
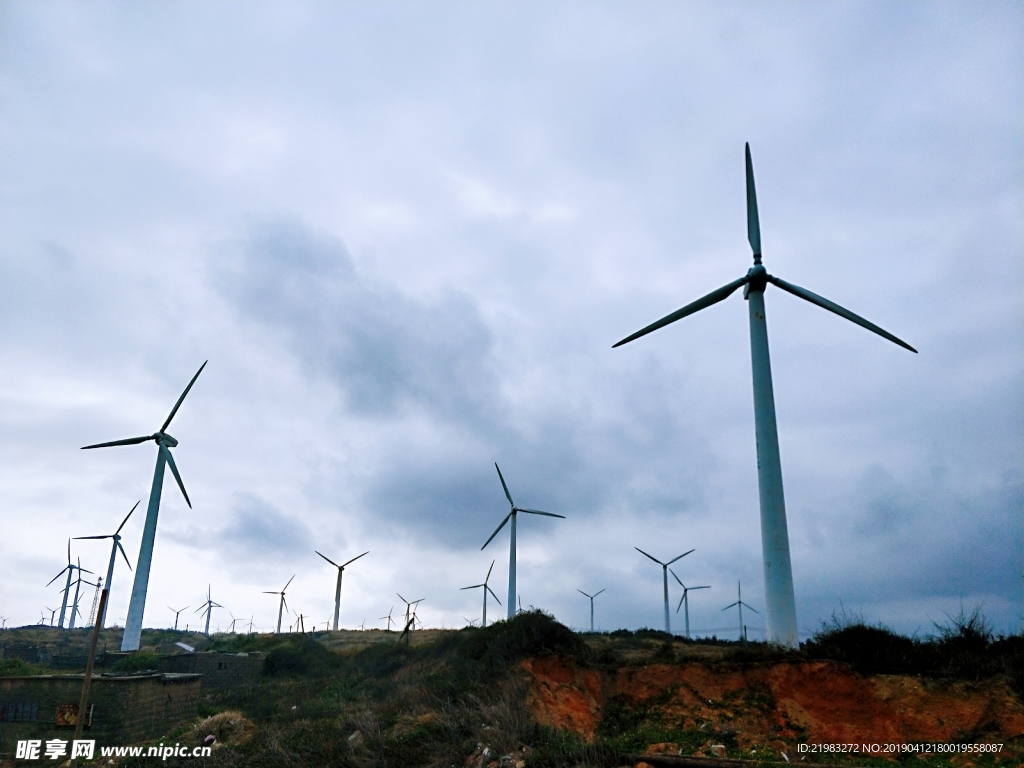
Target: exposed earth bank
[[772, 705]]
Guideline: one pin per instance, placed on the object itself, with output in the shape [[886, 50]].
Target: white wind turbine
[[512, 547], [388, 617], [116, 536], [70, 568], [685, 601], [337, 588], [664, 579], [137, 606], [486, 590], [177, 612], [78, 587], [591, 605], [283, 604], [778, 571], [207, 608], [739, 604]]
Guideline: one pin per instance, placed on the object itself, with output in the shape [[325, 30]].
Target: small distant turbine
[[250, 623], [778, 571], [685, 601], [591, 605], [739, 604], [283, 604], [70, 568], [512, 548], [207, 608], [177, 612], [388, 617], [137, 606], [52, 612], [231, 628], [486, 590], [116, 536], [337, 588], [664, 579], [78, 587]]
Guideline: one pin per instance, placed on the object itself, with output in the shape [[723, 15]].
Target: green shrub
[[140, 661]]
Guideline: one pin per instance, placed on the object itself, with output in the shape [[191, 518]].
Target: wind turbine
[[486, 590], [664, 579], [231, 629], [207, 608], [70, 568], [739, 604], [337, 588], [685, 600], [778, 572], [592, 604], [52, 612], [177, 612], [283, 605], [512, 547], [137, 606], [410, 618], [116, 536], [78, 587], [388, 617]]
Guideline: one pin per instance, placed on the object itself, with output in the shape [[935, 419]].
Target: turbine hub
[[757, 277], [164, 439]]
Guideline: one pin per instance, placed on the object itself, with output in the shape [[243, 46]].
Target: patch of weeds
[[140, 661], [19, 667]]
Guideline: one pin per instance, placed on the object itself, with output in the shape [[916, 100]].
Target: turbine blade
[[492, 594], [489, 572], [677, 578], [679, 558], [582, 593], [356, 558], [177, 405], [126, 518], [650, 556], [507, 494], [495, 532], [831, 306], [108, 536], [598, 593], [730, 605], [706, 586], [174, 471], [325, 557], [753, 224], [128, 441], [681, 601], [538, 512], [472, 587], [751, 608], [126, 562], [286, 585], [696, 306], [57, 576]]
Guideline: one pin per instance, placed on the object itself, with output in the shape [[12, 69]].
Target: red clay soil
[[812, 701]]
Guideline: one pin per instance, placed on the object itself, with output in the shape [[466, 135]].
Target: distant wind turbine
[[70, 568], [512, 548], [52, 612], [337, 588], [739, 604], [664, 579], [177, 612], [685, 601], [116, 536], [388, 617], [591, 605], [486, 590], [207, 608], [283, 604], [137, 606], [78, 587], [778, 571]]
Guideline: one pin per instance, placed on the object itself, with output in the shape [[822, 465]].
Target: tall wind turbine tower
[[177, 613], [337, 588], [487, 589], [137, 606], [591, 605], [512, 547], [282, 605], [116, 536], [70, 568], [778, 572], [664, 580]]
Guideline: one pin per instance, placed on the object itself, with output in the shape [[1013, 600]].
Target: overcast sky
[[406, 235]]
